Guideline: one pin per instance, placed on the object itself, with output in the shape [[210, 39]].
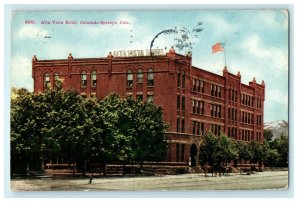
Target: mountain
[[277, 128]]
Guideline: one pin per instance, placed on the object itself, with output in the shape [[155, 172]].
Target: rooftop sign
[[138, 53]]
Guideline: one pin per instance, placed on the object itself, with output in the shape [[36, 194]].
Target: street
[[259, 180]]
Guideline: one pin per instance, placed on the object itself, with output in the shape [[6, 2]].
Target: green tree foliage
[[278, 152], [244, 150], [149, 142], [268, 135], [62, 124], [217, 151]]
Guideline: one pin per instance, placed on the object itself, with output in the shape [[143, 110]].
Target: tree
[[259, 152], [117, 133], [149, 140], [23, 133], [209, 150], [268, 135], [226, 150], [62, 124], [244, 150], [281, 144], [276, 150]]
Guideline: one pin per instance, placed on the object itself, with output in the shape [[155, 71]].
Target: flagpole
[[224, 53]]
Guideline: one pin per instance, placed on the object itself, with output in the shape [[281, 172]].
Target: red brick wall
[[112, 77]]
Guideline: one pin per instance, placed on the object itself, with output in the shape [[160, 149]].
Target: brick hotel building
[[194, 100]]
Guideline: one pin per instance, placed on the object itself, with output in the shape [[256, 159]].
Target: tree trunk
[[74, 168], [84, 168], [141, 165], [123, 168]]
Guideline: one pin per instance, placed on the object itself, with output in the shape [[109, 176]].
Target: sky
[[256, 42]]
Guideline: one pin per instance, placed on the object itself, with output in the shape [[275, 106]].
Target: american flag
[[217, 47]]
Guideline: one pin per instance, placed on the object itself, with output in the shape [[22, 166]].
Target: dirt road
[[260, 180]]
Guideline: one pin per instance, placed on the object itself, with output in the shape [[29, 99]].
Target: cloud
[[28, 31], [21, 72], [218, 26], [276, 105], [275, 96], [274, 19], [276, 57]]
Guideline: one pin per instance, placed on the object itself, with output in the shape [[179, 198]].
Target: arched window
[[46, 82], [150, 77], [140, 76], [150, 98], [93, 78], [129, 78], [56, 80], [83, 79]]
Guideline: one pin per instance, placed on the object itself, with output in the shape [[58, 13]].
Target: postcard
[[151, 100]]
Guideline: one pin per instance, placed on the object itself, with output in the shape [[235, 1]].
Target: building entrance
[[193, 155]]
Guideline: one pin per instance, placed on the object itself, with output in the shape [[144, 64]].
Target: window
[[178, 102], [219, 91], [182, 103], [198, 85], [194, 84], [202, 128], [182, 125], [198, 107], [140, 76], [211, 89], [56, 80], [242, 98], [83, 79], [150, 98], [194, 127], [178, 80], [94, 78], [194, 106], [46, 82], [150, 77], [215, 91], [260, 103], [198, 128], [183, 80], [242, 117], [178, 125], [215, 111], [202, 86], [139, 97], [129, 78], [202, 107], [235, 114]]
